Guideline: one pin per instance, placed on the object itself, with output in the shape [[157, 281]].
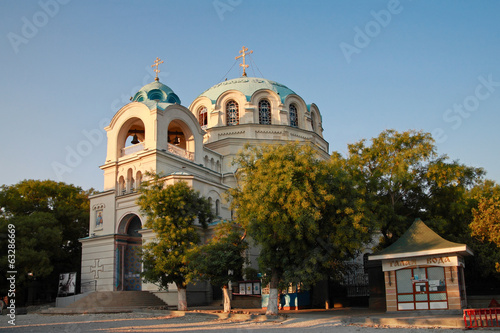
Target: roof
[[248, 86], [420, 240], [156, 94]]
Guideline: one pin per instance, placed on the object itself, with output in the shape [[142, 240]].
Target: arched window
[[202, 117], [294, 119], [130, 181], [138, 179], [121, 186], [313, 122], [232, 115], [217, 207], [264, 112]]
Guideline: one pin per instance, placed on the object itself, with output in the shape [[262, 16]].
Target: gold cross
[[243, 54], [157, 62]]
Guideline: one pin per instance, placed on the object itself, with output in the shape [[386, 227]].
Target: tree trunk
[[226, 299], [272, 305], [181, 299]]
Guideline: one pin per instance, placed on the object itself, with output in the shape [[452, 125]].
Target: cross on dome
[[158, 61], [243, 52]]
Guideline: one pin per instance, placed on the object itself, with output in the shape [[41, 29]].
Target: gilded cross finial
[[156, 64], [243, 52]]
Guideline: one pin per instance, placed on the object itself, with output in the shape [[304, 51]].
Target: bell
[[134, 140], [177, 141]]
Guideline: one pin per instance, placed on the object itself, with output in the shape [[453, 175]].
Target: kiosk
[[423, 271]]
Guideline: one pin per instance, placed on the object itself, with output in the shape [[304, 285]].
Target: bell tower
[[153, 133]]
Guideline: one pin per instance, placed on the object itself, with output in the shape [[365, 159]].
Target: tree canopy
[[486, 222], [405, 178], [304, 213], [49, 218], [172, 212]]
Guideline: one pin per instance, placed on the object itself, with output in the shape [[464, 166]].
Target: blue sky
[[66, 66]]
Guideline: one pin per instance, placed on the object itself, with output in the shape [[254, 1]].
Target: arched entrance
[[128, 245]]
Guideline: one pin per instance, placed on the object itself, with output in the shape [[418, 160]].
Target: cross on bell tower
[[158, 61], [243, 52]]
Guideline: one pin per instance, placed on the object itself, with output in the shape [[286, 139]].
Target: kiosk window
[[403, 278], [421, 288], [419, 274], [436, 279]]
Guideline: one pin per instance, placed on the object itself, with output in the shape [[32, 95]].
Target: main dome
[[248, 86], [156, 92]]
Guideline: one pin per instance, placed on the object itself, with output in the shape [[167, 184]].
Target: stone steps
[[118, 299]]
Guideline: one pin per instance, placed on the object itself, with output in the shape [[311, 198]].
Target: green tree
[[221, 259], [172, 212], [48, 219], [404, 178], [304, 213], [486, 222]]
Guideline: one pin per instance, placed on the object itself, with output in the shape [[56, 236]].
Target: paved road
[[150, 322]]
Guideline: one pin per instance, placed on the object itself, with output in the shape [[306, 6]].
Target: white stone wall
[[98, 261]]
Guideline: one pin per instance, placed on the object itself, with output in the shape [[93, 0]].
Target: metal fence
[[474, 318]]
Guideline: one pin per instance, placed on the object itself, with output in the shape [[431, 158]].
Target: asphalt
[[348, 316]]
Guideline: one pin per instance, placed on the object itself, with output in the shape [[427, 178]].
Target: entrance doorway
[[128, 247]]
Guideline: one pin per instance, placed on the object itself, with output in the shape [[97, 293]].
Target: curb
[[406, 322], [231, 315]]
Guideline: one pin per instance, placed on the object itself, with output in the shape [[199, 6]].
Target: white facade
[[196, 145]]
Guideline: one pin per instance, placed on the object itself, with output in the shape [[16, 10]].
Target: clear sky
[[66, 66]]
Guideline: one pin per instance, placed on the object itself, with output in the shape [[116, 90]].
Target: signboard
[[256, 288], [439, 260], [249, 287], [242, 288], [67, 283]]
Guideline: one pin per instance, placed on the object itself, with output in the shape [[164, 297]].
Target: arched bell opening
[[131, 137], [180, 139], [128, 245]]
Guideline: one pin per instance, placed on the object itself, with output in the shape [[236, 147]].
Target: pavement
[[348, 316]]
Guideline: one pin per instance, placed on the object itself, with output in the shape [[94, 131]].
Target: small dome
[[156, 92], [248, 86]]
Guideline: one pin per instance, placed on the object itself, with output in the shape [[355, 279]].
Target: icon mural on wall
[[99, 215], [98, 219]]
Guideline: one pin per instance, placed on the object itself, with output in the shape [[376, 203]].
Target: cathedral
[[195, 144]]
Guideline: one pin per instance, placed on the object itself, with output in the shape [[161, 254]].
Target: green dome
[[248, 86], [156, 92]]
